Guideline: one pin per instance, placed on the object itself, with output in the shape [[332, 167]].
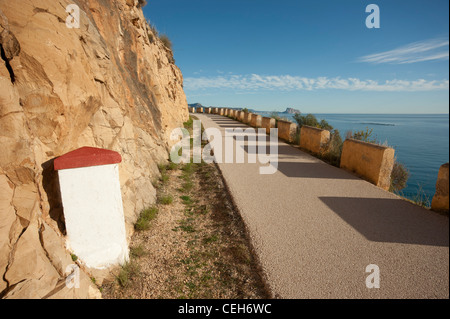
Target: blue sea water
[[421, 142]]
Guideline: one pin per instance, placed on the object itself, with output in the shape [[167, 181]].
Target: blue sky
[[317, 56]]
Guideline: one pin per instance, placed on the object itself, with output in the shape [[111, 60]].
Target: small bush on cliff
[[153, 33], [399, 177], [141, 3], [166, 41]]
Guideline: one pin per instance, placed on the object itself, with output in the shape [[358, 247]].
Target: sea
[[421, 143]]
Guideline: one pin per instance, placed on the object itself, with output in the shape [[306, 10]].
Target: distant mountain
[[195, 105], [290, 110]]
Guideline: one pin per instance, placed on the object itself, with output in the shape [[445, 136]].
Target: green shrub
[[399, 177], [333, 150], [364, 135], [152, 32], [141, 3], [245, 110], [166, 41], [324, 125], [311, 120]]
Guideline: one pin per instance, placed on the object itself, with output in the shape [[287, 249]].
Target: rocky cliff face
[[108, 84]]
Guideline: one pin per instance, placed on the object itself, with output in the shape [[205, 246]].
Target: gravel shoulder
[[195, 245]]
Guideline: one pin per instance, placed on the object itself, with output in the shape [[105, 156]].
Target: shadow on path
[[391, 220]]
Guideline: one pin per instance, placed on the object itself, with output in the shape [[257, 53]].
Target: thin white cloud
[[428, 50], [255, 82]]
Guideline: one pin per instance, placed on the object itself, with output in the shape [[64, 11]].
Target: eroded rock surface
[[105, 85]]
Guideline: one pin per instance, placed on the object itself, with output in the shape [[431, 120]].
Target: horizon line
[[268, 111]]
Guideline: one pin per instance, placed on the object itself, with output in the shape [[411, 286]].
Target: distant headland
[[288, 110]]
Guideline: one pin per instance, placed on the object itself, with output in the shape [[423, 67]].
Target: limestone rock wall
[[106, 84]]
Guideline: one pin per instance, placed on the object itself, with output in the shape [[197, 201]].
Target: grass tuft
[[129, 269], [137, 251], [165, 199], [146, 216], [187, 200]]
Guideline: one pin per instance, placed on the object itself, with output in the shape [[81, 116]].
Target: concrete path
[[316, 228]]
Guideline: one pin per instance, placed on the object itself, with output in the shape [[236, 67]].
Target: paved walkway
[[316, 227]]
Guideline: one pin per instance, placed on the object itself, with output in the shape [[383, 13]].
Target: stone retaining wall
[[371, 162], [286, 130], [313, 139], [440, 198], [268, 123], [256, 120]]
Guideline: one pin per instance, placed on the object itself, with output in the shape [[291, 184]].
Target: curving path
[[315, 229]]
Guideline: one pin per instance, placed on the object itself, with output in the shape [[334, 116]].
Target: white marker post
[[93, 209]]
